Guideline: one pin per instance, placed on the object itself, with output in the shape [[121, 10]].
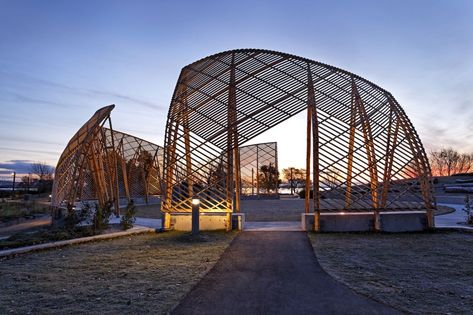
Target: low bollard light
[[195, 216]]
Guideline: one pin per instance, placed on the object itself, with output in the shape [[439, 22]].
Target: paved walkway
[[273, 273], [27, 225], [146, 222], [454, 219], [273, 226]]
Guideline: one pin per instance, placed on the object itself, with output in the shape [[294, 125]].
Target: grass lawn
[[428, 273], [141, 274]]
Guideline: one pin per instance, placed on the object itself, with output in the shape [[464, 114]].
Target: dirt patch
[[141, 274], [422, 273]]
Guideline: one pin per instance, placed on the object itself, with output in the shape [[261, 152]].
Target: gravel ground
[[422, 273], [133, 275]]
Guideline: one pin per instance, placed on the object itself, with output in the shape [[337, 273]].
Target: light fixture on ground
[[195, 215]]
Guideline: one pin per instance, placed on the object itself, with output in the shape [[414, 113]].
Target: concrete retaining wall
[[403, 222], [408, 221], [207, 221]]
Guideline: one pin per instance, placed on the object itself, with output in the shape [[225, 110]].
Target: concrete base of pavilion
[[208, 221], [393, 221]]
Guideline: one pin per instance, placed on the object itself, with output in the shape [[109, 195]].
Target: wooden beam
[[351, 144], [315, 149], [307, 160]]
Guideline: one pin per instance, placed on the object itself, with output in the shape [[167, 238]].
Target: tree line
[[448, 161]]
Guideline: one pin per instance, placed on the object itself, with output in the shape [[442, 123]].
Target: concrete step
[[285, 226]]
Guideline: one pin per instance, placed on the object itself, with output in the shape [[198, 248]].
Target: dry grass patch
[[140, 274], [422, 273]]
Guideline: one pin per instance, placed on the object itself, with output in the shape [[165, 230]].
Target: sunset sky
[[62, 60]]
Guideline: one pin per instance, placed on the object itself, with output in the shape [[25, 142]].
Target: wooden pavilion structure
[[362, 149], [104, 165]]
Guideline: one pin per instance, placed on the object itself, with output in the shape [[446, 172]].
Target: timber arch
[[366, 154], [104, 165]]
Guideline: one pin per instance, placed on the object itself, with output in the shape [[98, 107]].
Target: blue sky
[[62, 60]]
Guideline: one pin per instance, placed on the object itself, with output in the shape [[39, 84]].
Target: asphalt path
[[273, 273], [27, 225]]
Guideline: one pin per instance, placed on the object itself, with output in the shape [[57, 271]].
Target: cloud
[[55, 153], [25, 99], [127, 98], [76, 90], [18, 166], [30, 140]]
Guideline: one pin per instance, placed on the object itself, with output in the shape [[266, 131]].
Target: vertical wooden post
[[233, 165], [370, 155], [170, 164], [420, 163], [292, 181], [190, 184], [257, 171], [390, 149], [237, 171], [351, 144], [277, 168], [307, 160], [145, 179], [252, 181], [114, 161], [315, 151]]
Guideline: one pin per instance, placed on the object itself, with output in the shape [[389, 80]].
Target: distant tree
[[25, 182], [465, 163], [268, 177], [45, 173], [42, 170], [294, 176], [447, 162]]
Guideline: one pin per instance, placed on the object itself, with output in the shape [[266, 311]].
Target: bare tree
[[42, 170], [294, 176], [45, 173], [465, 163], [447, 162]]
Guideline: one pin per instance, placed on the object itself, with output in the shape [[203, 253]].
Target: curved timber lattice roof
[[106, 165], [367, 153]]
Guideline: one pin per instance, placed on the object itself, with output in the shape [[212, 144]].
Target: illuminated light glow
[[195, 202]]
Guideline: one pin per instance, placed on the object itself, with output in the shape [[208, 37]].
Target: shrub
[[468, 209], [74, 217], [128, 218], [101, 217], [302, 194]]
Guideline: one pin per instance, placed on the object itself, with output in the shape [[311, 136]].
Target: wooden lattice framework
[[106, 165], [259, 170], [366, 154]]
